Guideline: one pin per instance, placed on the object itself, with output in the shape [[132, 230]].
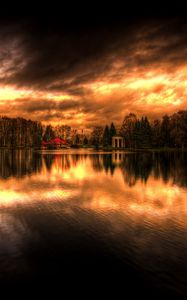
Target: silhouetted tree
[[178, 129], [146, 133], [85, 141], [127, 129], [156, 133], [96, 136], [106, 136], [77, 139], [16, 132], [49, 133], [138, 134], [165, 131], [112, 132]]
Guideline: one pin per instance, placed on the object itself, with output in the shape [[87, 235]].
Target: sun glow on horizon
[[11, 93]]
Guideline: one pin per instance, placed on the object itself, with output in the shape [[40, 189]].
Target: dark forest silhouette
[[138, 133], [141, 133], [18, 132]]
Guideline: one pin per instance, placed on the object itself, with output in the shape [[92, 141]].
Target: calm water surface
[[69, 214]]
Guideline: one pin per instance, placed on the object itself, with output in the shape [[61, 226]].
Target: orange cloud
[[93, 77]]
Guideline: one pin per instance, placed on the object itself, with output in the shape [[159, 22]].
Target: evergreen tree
[[85, 141], [142, 134], [138, 134], [146, 133], [49, 133], [112, 133], [106, 136], [165, 131], [156, 133], [77, 139]]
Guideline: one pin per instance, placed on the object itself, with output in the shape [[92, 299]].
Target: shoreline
[[107, 149]]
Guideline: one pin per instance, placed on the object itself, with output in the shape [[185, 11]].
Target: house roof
[[55, 141]]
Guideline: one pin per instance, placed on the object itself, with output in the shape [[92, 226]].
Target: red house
[[55, 142]]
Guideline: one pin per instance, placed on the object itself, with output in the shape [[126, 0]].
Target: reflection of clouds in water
[[134, 166], [130, 207], [150, 201], [84, 184], [15, 238], [13, 233], [145, 221]]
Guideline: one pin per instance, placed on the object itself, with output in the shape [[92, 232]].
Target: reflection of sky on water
[[86, 182], [135, 204]]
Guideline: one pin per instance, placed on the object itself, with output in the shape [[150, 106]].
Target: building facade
[[118, 142]]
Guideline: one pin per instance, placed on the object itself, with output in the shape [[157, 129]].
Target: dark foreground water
[[84, 219]]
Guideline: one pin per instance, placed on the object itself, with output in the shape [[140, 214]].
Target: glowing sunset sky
[[87, 74]]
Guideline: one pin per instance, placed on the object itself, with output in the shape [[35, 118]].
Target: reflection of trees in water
[[140, 165], [176, 168], [165, 161], [63, 161], [18, 163], [108, 163], [165, 165], [102, 162], [76, 158], [134, 166], [49, 160], [96, 161]]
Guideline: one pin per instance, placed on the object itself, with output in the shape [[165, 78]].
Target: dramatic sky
[[91, 73]]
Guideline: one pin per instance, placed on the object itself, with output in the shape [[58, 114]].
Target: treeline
[[138, 133], [100, 136], [170, 131], [18, 132]]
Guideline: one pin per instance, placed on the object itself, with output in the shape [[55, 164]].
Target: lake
[[67, 215]]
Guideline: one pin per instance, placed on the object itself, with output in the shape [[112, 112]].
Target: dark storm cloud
[[49, 55], [60, 63], [30, 105]]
